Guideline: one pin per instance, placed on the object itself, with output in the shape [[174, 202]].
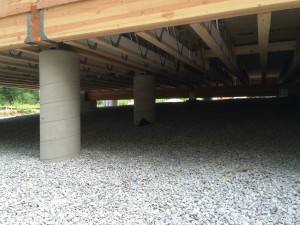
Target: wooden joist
[[17, 66], [263, 24], [18, 58], [207, 92], [161, 64], [83, 50], [137, 51], [163, 40], [210, 35], [254, 49], [13, 71], [19, 86]]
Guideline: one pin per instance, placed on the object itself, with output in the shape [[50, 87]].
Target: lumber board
[[86, 19], [14, 7], [263, 24], [215, 42], [13, 31], [254, 49], [170, 45], [41, 4]]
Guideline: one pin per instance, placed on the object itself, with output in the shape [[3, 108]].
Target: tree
[[9, 96]]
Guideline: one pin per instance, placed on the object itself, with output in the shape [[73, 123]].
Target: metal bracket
[[86, 69], [28, 38], [177, 65], [163, 59], [115, 43], [208, 26], [62, 46], [180, 49], [91, 46], [12, 68], [124, 57], [159, 36], [194, 57], [143, 53], [109, 67], [42, 28], [33, 66], [84, 61], [15, 55]]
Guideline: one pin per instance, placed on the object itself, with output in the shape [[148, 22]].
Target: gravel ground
[[226, 162]]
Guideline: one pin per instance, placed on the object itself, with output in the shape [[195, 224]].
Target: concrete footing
[[86, 106], [144, 99], [60, 105]]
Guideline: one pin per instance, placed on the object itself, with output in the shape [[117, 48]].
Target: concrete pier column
[[192, 95], [87, 105], [60, 105], [144, 99], [113, 102]]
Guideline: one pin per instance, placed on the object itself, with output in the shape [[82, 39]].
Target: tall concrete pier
[[144, 98], [60, 105]]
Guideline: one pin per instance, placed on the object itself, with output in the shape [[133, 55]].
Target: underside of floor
[[250, 49]]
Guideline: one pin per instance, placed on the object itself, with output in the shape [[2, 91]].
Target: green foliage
[[13, 98], [123, 102], [160, 100], [100, 104]]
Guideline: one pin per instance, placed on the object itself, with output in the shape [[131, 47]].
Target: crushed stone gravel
[[225, 162]]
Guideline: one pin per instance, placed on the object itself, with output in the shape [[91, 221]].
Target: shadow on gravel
[[237, 131]]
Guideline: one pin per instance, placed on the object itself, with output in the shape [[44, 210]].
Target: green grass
[[20, 106], [18, 109]]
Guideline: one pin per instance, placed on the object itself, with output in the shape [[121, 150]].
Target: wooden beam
[[41, 4], [254, 49], [209, 34], [207, 92], [106, 17], [104, 79], [14, 7], [263, 24], [13, 31]]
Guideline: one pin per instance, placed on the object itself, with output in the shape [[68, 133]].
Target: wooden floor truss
[[185, 44]]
